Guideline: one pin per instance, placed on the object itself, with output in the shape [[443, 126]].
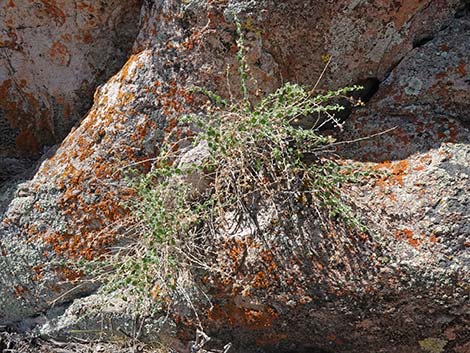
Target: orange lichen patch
[[20, 291], [57, 241], [268, 260], [12, 40], [38, 270], [54, 11], [192, 41], [83, 6], [155, 292], [384, 164], [236, 251], [174, 99], [236, 316], [268, 275], [69, 274], [66, 37], [398, 170], [87, 37], [406, 11], [260, 280], [143, 129], [426, 159], [125, 98], [407, 234], [433, 239], [125, 71], [95, 208], [59, 54]]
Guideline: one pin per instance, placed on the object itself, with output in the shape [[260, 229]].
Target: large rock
[[340, 292], [425, 103], [73, 206], [53, 54]]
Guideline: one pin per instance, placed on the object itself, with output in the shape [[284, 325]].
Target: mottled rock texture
[[337, 292], [53, 54]]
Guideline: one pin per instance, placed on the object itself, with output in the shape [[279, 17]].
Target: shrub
[[257, 157]]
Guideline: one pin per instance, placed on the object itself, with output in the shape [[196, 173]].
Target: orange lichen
[[53, 10], [155, 292], [87, 37], [94, 221], [426, 159], [234, 315], [384, 164], [83, 6], [71, 275], [20, 291], [260, 280], [11, 42], [38, 273], [407, 8], [398, 170], [133, 59], [59, 54], [407, 234]]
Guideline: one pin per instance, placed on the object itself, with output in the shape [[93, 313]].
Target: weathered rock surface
[[337, 292], [53, 54], [424, 101]]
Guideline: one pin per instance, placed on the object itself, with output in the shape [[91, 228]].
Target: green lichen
[[433, 345]]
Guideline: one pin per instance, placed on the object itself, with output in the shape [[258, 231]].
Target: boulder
[[53, 54], [397, 291]]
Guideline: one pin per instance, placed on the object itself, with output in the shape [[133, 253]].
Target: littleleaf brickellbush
[[258, 156]]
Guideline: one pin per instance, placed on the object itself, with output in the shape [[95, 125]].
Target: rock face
[[53, 54], [428, 114], [340, 292]]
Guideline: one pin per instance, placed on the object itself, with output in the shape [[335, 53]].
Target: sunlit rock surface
[[337, 292]]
